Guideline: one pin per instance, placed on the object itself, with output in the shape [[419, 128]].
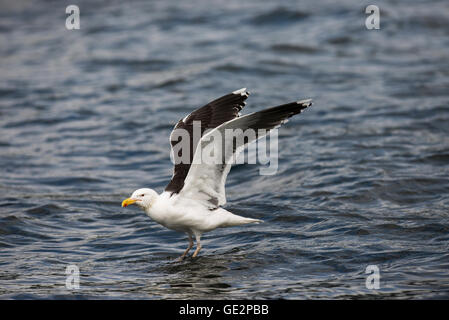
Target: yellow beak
[[127, 202]]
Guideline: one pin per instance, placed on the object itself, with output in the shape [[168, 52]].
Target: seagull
[[193, 200]]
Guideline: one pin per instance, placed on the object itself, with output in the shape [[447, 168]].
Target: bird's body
[[192, 201], [194, 218]]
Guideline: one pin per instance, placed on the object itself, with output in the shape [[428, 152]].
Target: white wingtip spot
[[242, 92], [306, 102]]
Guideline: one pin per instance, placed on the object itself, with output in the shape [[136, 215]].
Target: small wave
[[340, 40], [294, 48], [231, 67], [279, 15], [437, 158], [64, 181], [136, 65], [46, 209]]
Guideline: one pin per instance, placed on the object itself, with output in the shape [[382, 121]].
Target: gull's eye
[[142, 195]]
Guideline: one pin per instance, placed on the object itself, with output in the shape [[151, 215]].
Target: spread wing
[[209, 116], [205, 181]]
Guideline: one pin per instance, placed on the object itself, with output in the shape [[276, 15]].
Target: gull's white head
[[143, 198]]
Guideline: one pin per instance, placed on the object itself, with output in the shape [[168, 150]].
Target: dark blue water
[[363, 175]]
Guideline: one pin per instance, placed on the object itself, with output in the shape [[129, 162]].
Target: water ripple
[[362, 176]]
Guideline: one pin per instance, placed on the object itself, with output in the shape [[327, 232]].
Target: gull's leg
[[198, 245], [188, 248]]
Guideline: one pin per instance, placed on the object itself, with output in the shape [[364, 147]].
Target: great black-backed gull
[[192, 201]]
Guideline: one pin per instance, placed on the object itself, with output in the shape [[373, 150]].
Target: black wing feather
[[211, 116]]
